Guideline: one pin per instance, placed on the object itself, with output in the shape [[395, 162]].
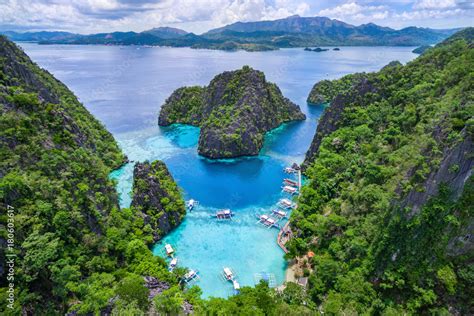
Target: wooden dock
[[281, 239]]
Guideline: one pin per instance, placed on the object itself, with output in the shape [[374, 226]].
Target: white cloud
[[109, 15], [434, 4], [355, 12]]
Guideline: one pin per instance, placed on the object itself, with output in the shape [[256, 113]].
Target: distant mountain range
[[293, 31]]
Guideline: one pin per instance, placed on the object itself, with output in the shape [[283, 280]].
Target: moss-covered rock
[[234, 111], [157, 196]]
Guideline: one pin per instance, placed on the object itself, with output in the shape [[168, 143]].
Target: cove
[[124, 88]]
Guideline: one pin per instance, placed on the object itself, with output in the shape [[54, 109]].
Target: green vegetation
[[326, 90], [75, 249], [234, 112], [158, 198], [380, 249]]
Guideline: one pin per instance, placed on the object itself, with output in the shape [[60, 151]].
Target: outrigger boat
[[173, 264], [228, 274], [169, 250], [290, 182], [224, 214], [236, 286], [285, 203], [190, 276], [290, 170], [191, 204], [279, 213], [289, 189], [267, 221]]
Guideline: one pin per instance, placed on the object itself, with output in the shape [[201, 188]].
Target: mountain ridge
[[293, 31]]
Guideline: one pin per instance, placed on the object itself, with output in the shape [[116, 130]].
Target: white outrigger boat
[[173, 264], [224, 214], [289, 189], [267, 221], [228, 274], [236, 286], [191, 204], [279, 213], [169, 250], [285, 203], [190, 276], [290, 170]]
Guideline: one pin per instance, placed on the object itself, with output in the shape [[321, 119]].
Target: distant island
[[293, 31], [234, 112]]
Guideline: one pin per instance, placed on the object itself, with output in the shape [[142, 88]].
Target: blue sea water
[[124, 87]]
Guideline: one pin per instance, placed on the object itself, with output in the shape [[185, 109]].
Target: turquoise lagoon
[[124, 88]]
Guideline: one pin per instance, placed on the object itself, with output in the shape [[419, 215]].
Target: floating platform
[[224, 214]]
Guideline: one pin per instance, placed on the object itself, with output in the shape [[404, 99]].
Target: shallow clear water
[[124, 88]]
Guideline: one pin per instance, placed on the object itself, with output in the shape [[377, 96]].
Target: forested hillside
[[388, 209], [75, 249]]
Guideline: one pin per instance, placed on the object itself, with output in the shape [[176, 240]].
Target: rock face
[[234, 111], [331, 119], [158, 197]]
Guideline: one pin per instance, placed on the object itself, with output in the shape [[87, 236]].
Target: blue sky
[[92, 16]]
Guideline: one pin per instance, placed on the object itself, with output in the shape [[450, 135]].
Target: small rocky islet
[[234, 112], [157, 198]]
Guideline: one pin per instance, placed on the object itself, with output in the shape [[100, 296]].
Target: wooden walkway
[[282, 238]]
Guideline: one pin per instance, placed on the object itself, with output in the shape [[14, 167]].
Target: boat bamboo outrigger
[[290, 170], [190, 276], [191, 204], [224, 214], [279, 213], [169, 250], [228, 274], [285, 203], [289, 189], [173, 264], [236, 286], [290, 182], [267, 221]]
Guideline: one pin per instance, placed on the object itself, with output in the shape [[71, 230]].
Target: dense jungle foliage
[[375, 253], [78, 252]]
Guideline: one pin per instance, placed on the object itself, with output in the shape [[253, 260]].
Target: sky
[[198, 16]]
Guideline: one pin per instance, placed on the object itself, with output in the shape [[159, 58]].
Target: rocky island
[[157, 197], [234, 112]]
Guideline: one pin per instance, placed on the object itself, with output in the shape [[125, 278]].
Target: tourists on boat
[[169, 250]]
